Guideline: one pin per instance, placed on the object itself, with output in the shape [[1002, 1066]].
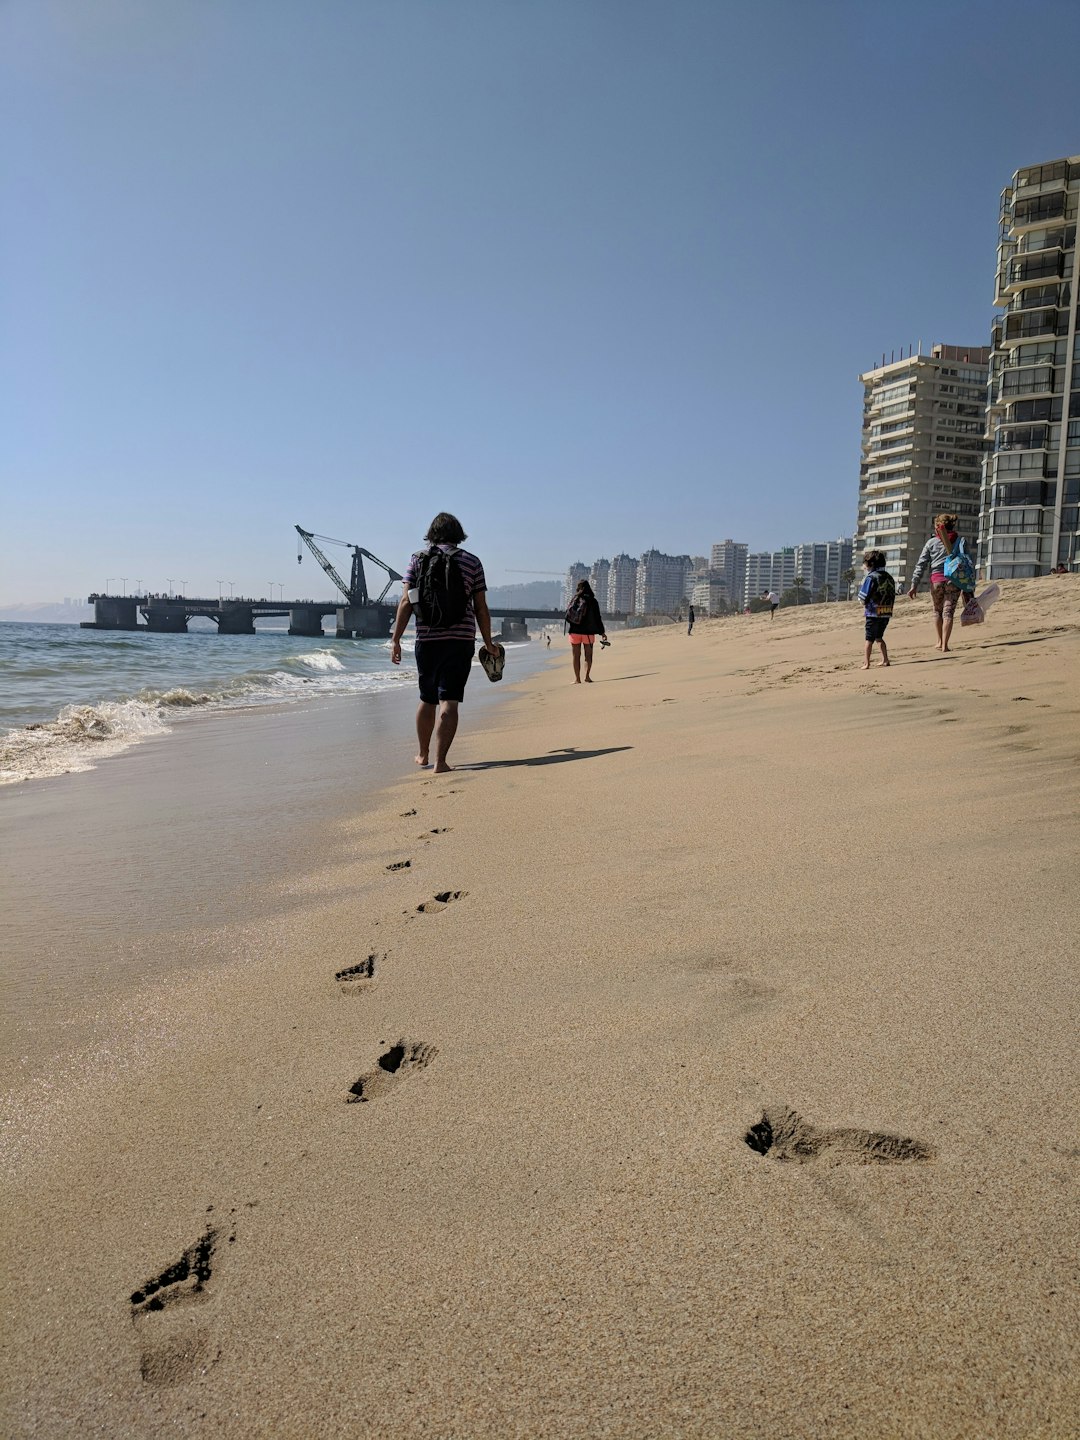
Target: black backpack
[[578, 610], [443, 599], [884, 591]]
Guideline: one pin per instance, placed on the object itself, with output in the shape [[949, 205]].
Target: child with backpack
[[878, 594]]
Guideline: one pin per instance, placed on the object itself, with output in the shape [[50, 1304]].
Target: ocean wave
[[319, 660], [78, 737]]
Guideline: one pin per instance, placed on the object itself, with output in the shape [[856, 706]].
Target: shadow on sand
[[553, 757]]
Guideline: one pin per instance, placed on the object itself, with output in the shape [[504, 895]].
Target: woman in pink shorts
[[585, 622]]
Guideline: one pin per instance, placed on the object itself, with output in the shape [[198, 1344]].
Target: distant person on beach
[[878, 593], [690, 621], [445, 587], [547, 641], [773, 601], [939, 553], [584, 622]]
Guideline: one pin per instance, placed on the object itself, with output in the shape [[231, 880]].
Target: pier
[[169, 615]]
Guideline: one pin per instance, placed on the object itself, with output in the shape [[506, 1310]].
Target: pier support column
[[236, 620], [113, 613], [166, 619], [305, 620], [366, 622], [514, 630]]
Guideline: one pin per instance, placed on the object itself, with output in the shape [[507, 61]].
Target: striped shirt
[[472, 572]]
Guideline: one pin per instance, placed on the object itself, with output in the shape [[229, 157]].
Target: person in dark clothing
[[690, 621], [584, 622]]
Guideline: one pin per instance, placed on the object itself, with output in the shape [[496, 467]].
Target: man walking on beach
[[445, 586]]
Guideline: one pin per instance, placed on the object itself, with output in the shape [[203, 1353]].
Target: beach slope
[[698, 1059]]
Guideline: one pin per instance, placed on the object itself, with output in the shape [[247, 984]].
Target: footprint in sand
[[440, 902], [400, 1061], [348, 977], [400, 865], [170, 1359], [785, 1135], [406, 813]]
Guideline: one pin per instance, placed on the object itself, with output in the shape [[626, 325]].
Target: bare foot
[[422, 761], [443, 769], [886, 663], [866, 666], [588, 679]]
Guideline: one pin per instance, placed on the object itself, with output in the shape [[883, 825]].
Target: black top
[[594, 621]]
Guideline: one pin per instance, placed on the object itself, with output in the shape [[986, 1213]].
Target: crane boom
[[309, 541], [356, 592]]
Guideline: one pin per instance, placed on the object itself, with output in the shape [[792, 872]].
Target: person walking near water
[[943, 552], [690, 621], [585, 622], [445, 587]]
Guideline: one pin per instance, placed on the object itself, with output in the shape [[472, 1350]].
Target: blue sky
[[593, 274]]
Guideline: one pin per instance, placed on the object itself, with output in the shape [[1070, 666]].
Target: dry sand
[[736, 886]]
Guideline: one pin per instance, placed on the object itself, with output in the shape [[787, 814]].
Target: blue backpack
[[960, 568]]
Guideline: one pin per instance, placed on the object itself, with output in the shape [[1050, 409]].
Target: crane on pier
[[356, 592]]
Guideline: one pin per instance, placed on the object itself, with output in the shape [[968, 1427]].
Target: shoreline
[[693, 894]]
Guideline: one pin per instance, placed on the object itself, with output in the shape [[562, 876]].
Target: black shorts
[[876, 625], [442, 667]]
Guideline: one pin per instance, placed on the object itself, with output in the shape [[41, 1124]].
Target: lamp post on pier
[[182, 584], [220, 583], [123, 582], [108, 581], [230, 584], [168, 582]]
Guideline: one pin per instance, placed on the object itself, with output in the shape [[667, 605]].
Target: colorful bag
[[960, 568]]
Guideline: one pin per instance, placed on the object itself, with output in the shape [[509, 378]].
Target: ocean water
[[69, 697]]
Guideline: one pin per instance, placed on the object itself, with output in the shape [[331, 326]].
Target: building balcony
[[1029, 213], [1029, 325], [1030, 383]]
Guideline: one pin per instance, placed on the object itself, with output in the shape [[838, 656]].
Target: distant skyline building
[[598, 579], [1030, 511], [922, 450], [729, 558], [822, 564], [661, 583], [708, 592], [770, 570], [622, 585], [576, 572]]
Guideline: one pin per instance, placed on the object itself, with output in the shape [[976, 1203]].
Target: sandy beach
[[699, 1059]]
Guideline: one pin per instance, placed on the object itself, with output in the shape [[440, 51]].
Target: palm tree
[[848, 577]]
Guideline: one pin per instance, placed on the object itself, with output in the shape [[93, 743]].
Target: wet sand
[[708, 1069]]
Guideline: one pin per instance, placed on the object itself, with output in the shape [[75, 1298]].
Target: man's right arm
[[401, 619]]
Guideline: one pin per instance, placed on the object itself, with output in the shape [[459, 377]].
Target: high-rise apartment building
[[729, 558], [709, 592], [622, 585], [598, 579], [1030, 516], [922, 449], [822, 564], [769, 570], [661, 583], [576, 572]]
